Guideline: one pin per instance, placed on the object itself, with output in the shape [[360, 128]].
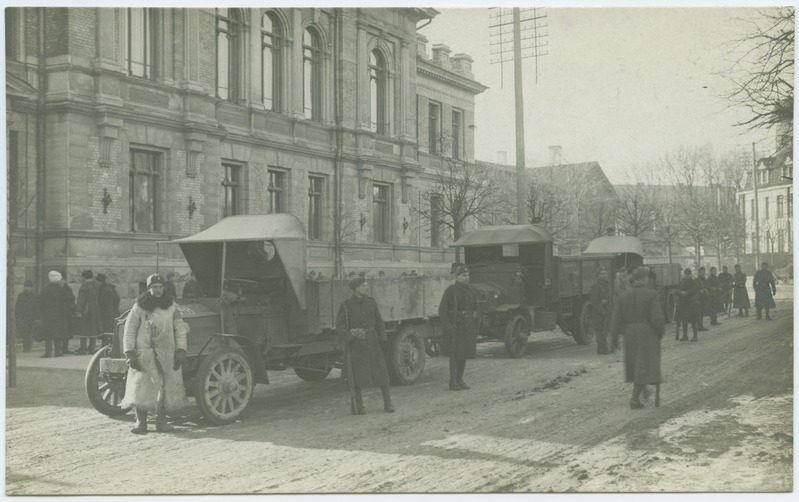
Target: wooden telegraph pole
[[511, 27]]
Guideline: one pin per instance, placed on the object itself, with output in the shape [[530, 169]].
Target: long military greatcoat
[[108, 302], [56, 307], [458, 314], [687, 301], [715, 294], [765, 288], [600, 304], [90, 323], [740, 298], [725, 282], [638, 315], [368, 361]]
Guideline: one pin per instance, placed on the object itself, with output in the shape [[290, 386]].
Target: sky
[[620, 86]]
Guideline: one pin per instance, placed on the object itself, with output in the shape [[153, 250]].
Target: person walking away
[[600, 310], [740, 296], [26, 315], [154, 343], [458, 313], [88, 311], [638, 315], [192, 289], [361, 329], [169, 286], [765, 289], [108, 303], [725, 282], [687, 306], [56, 310], [715, 296], [704, 299]]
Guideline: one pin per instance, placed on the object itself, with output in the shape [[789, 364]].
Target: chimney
[[502, 157], [421, 46], [441, 55], [462, 65], [555, 155]]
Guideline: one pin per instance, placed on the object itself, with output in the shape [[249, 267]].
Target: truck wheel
[[314, 368], [223, 386], [516, 333], [105, 392], [432, 347], [583, 330], [406, 356]]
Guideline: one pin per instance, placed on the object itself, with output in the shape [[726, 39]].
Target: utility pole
[[507, 27], [756, 243]]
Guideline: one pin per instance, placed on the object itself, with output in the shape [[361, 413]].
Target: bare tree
[[547, 205], [637, 213], [762, 72]]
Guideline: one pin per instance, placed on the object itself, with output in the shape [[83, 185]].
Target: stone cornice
[[434, 71]]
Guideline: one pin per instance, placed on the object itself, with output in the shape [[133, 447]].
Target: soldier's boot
[[48, 348], [768, 317], [141, 422], [684, 333], [677, 334], [461, 368], [696, 336], [58, 348], [759, 314], [359, 402], [746, 312], [453, 374], [160, 419], [635, 403], [387, 406]]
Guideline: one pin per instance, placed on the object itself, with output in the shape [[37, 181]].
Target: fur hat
[[356, 283], [155, 279], [54, 276]]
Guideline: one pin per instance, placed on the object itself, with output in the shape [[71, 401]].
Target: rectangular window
[[742, 205], [232, 184], [434, 128], [457, 134], [315, 186], [754, 242], [752, 209], [435, 221], [141, 50], [780, 202], [780, 240], [381, 213], [277, 191], [145, 190], [765, 216], [790, 205]]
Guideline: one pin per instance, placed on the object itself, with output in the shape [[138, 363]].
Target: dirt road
[[556, 420]]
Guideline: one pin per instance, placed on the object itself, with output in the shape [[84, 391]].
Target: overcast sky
[[619, 85]]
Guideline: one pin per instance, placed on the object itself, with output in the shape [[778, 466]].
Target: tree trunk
[[698, 252]]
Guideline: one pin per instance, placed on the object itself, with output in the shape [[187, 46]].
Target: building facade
[[131, 126]]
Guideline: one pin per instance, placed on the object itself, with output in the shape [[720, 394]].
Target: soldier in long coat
[[765, 289], [108, 303], [56, 309], [687, 308], [704, 299], [638, 315], [725, 282], [88, 311], [361, 328], [458, 313], [601, 310], [715, 296], [154, 343], [740, 296]]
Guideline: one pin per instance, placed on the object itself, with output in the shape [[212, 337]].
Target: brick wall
[[178, 19], [56, 22], [207, 27], [83, 32]]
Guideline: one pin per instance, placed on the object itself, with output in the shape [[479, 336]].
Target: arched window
[[228, 53], [312, 74], [271, 43], [377, 92]]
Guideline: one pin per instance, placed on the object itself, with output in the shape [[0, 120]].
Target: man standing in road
[[56, 308], [765, 289], [638, 315], [458, 313], [740, 297], [108, 303], [361, 328], [154, 343], [26, 314], [600, 310], [686, 310], [704, 299], [714, 293], [725, 282], [88, 311]]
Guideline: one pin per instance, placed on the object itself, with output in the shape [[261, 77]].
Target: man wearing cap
[[108, 303], [26, 314], [600, 309], [765, 289], [88, 312], [360, 326], [725, 282], [704, 299], [154, 343], [56, 309], [687, 306], [638, 315], [458, 313]]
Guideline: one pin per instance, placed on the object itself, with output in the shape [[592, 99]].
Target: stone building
[[130, 126]]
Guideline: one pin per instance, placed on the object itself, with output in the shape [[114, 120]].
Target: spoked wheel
[[406, 356], [583, 329], [223, 386], [432, 347], [105, 391], [516, 333]]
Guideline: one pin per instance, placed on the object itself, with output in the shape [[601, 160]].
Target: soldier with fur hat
[[458, 314]]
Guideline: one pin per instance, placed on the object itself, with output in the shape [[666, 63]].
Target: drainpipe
[[337, 167], [40, 151]]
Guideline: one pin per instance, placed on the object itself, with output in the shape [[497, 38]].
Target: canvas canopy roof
[[615, 244], [249, 227], [504, 234]]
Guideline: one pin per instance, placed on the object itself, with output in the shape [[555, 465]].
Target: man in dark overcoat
[[192, 289], [714, 293], [360, 326], [88, 311], [740, 296], [600, 310], [638, 315], [765, 289], [686, 310], [108, 303], [26, 314], [56, 309], [725, 282], [169, 286], [458, 314], [704, 299]]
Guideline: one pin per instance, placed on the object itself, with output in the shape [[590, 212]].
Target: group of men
[[56, 315]]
